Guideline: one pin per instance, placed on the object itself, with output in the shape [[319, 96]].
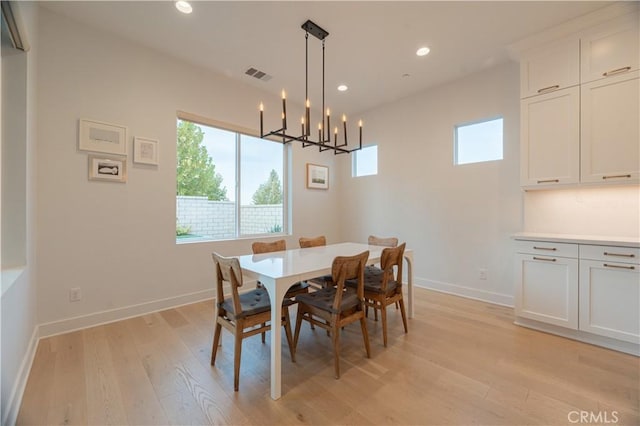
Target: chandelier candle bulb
[[344, 126], [284, 109], [308, 118], [320, 132], [302, 124], [261, 119], [360, 128]]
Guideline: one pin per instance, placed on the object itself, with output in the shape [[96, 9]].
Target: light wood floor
[[463, 362]]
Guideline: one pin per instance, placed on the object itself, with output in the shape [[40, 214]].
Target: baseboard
[[15, 399], [468, 292], [105, 317], [582, 336]]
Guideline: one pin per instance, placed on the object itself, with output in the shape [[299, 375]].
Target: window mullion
[[238, 184]]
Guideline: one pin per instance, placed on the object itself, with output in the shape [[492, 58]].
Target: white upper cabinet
[[550, 138], [610, 134], [551, 67], [610, 49]]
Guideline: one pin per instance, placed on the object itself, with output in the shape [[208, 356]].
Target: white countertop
[[579, 239]]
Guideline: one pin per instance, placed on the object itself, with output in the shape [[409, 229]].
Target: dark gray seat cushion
[[323, 299], [252, 302], [373, 281]]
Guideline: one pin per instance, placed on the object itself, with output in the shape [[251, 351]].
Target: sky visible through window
[[258, 158], [365, 161], [478, 142]]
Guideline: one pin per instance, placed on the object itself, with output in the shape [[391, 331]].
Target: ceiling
[[371, 45]]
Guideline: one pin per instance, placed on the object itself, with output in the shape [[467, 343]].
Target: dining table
[[277, 271]]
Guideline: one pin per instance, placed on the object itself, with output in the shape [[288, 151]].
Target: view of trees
[[196, 172], [269, 192]]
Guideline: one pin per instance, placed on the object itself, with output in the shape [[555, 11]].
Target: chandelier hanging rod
[[324, 139]]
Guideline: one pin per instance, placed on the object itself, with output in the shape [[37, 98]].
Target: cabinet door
[[550, 138], [548, 68], [547, 289], [610, 48], [610, 299], [610, 146]]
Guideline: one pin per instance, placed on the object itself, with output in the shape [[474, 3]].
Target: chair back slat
[[313, 242], [228, 269], [261, 247], [383, 241], [348, 268], [392, 257]]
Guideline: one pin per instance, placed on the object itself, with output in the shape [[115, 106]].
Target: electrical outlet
[[482, 273], [74, 294]]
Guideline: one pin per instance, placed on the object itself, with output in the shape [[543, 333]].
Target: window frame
[[471, 123], [239, 132]]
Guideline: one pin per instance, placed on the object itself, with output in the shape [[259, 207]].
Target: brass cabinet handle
[[552, 180], [545, 248], [618, 266], [616, 176], [619, 254], [544, 258], [616, 71], [548, 89]]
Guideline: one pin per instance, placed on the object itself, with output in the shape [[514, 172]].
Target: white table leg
[[409, 258], [276, 335]]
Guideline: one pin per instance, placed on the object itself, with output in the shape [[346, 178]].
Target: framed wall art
[[106, 168], [317, 176], [97, 136], [145, 151]]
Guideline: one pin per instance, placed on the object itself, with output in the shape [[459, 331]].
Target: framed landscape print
[[110, 169], [102, 137], [317, 176]]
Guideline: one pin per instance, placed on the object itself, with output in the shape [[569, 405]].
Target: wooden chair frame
[[343, 268], [240, 325]]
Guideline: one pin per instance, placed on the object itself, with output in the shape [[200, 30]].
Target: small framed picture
[[102, 137], [111, 169], [145, 151], [317, 176]]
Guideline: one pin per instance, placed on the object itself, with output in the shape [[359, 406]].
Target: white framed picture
[[145, 151], [98, 136], [106, 168], [317, 176]]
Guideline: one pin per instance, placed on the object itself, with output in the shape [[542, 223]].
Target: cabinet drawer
[[610, 254], [547, 249]]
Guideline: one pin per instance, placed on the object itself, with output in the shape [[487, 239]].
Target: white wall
[[117, 241], [19, 300], [457, 219]]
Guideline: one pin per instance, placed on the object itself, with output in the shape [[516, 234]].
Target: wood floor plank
[[462, 362]]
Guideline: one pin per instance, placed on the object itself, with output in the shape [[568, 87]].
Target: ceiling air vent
[[260, 75]]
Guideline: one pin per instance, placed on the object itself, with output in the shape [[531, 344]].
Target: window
[[228, 184], [479, 141], [365, 161]]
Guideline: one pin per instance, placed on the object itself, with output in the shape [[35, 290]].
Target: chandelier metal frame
[[324, 134]]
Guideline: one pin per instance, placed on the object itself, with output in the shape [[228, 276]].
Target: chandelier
[[324, 129]]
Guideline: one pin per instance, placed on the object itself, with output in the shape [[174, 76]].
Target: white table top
[[303, 262]]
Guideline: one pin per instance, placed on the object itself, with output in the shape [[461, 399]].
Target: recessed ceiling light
[[342, 88], [184, 6], [423, 51]]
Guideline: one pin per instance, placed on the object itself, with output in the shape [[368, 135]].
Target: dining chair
[[378, 241], [318, 282], [260, 247], [332, 308], [383, 287], [244, 315]]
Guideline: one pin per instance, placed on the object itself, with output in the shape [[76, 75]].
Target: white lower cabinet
[[548, 289], [610, 293], [592, 289]]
